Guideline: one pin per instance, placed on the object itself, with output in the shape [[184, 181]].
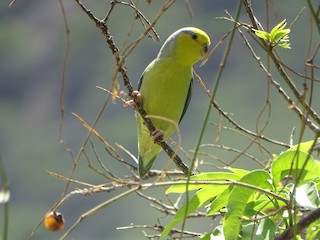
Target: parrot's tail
[[145, 164], [147, 148]]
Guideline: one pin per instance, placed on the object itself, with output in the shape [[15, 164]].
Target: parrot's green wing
[[186, 105], [146, 161], [151, 151]]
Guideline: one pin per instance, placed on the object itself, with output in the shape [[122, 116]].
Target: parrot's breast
[[164, 93]]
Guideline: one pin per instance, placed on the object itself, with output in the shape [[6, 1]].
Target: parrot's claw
[[157, 135], [131, 102], [136, 94]]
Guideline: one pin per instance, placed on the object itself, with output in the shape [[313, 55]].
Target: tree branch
[[300, 226], [283, 74]]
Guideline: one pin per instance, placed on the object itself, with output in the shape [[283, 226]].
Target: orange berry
[[54, 221]]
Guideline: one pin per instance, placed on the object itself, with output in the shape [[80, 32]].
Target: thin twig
[[233, 122], [63, 77], [97, 208], [233, 150]]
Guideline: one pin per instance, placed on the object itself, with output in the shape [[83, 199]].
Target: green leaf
[[304, 146], [219, 202], [307, 196], [262, 34], [238, 171], [213, 176], [238, 200], [278, 35], [207, 192], [198, 200], [266, 205], [280, 26], [265, 229], [217, 234], [291, 163], [313, 231]]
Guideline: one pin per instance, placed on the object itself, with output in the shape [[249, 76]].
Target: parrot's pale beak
[[204, 50], [204, 55]]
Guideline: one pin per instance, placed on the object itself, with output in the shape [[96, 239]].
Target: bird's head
[[187, 45]]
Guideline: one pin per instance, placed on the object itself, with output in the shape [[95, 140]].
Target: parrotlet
[[166, 87]]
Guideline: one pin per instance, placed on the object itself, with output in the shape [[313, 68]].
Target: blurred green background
[[32, 47]]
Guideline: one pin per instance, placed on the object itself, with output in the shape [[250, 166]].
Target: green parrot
[[166, 88]]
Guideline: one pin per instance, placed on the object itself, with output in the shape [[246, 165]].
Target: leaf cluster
[[277, 37], [256, 204]]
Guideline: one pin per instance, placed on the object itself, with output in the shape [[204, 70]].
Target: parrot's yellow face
[[187, 45]]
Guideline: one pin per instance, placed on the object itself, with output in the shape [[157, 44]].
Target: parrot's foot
[[131, 102], [157, 135]]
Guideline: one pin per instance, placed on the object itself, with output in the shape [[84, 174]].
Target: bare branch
[[296, 229], [123, 71]]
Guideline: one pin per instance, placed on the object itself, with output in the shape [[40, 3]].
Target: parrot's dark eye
[[194, 36]]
